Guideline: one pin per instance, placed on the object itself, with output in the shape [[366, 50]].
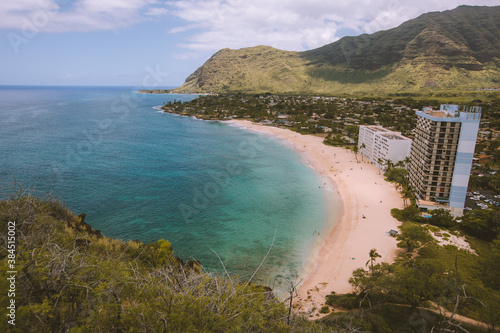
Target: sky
[[158, 43]]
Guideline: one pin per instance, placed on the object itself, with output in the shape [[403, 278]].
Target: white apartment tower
[[381, 144], [441, 156]]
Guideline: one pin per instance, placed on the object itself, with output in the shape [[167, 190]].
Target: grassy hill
[[452, 50]]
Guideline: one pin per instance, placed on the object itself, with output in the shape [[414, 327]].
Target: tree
[[407, 161], [378, 285], [352, 130], [356, 149], [413, 236], [389, 165], [484, 224], [407, 193], [397, 175], [419, 280], [408, 214], [363, 147], [380, 162], [441, 218], [400, 164], [373, 257]]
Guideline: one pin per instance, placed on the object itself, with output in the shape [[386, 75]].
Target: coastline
[[347, 239]]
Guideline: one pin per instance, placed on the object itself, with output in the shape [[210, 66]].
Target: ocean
[[213, 189]]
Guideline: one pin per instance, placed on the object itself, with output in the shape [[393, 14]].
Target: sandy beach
[[363, 224]]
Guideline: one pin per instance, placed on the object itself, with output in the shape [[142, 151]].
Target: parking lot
[[481, 200]]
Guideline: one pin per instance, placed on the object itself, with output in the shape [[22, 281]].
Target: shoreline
[[347, 237]]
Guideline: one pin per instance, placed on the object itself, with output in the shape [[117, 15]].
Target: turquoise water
[[141, 174]]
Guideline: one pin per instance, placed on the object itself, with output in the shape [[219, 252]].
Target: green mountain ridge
[[456, 50]]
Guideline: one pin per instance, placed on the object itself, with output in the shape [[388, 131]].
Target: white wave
[[230, 123], [259, 131]]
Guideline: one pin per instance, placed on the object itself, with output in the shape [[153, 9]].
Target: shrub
[[325, 309], [347, 301], [408, 214]]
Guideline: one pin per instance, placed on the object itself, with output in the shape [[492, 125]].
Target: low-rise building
[[380, 145]]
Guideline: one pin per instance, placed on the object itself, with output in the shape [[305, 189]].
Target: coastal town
[[250, 166], [338, 120], [430, 164]]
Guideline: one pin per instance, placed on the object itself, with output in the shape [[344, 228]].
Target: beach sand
[[346, 245]]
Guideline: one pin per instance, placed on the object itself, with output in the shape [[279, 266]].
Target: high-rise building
[[441, 156], [379, 144]]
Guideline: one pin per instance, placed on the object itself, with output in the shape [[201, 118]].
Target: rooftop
[[453, 111], [394, 136], [379, 129], [386, 133]]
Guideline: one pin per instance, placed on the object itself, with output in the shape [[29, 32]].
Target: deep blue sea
[[137, 173]]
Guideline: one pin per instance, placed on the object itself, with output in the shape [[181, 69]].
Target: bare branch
[[262, 262], [225, 270]]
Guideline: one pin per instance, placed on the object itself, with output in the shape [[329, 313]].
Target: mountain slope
[[455, 49], [257, 68]]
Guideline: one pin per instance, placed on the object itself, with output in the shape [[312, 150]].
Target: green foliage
[[441, 218], [373, 257], [438, 274], [349, 76], [408, 214], [418, 281], [360, 321], [324, 309], [413, 236], [157, 254], [396, 175], [484, 224], [345, 301]]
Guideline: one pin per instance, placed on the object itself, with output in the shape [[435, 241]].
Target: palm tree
[[406, 193], [373, 257], [389, 165], [380, 162], [363, 147], [407, 162], [356, 149]]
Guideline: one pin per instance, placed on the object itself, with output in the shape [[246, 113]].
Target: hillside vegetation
[[457, 49]]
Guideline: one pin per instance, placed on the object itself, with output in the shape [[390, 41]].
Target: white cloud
[[182, 28], [100, 6], [209, 25], [294, 24], [79, 15], [156, 11]]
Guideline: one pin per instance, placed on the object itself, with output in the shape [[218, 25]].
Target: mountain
[[454, 49]]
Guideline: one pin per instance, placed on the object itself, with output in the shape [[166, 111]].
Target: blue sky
[[159, 43]]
